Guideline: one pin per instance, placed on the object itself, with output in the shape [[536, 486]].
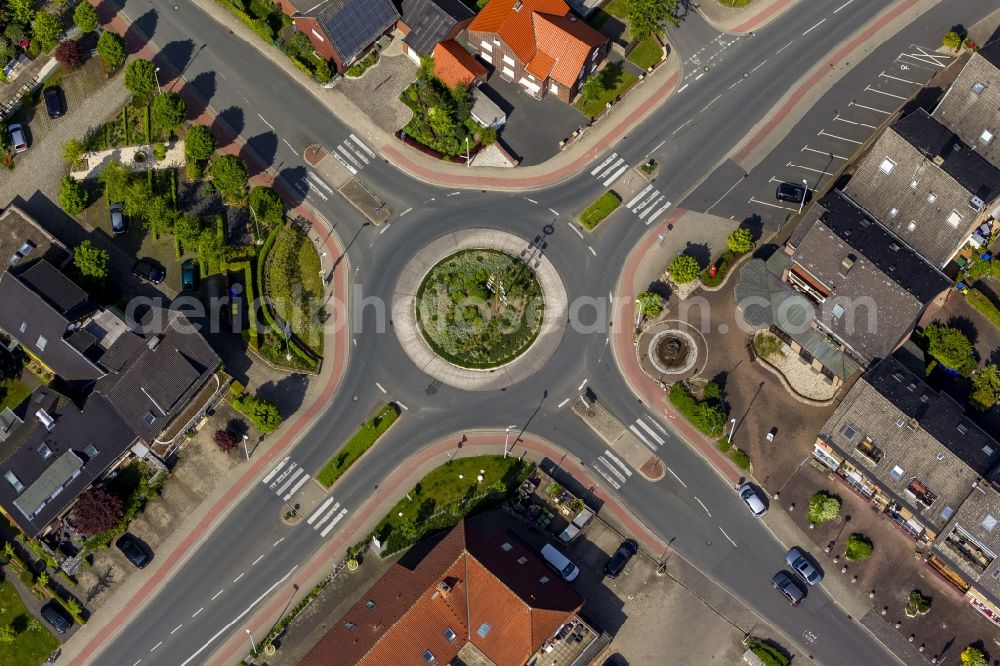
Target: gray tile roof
[[976, 521], [970, 106], [923, 435], [23, 240], [354, 25], [58, 290], [430, 21]]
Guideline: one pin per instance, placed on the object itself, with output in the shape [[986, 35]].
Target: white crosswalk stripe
[[321, 509], [371, 153], [607, 477], [324, 518], [353, 154], [611, 468], [638, 433], [332, 523], [652, 433], [273, 472], [617, 460], [285, 479]]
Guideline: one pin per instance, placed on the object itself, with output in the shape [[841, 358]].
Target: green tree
[[952, 40], [140, 78], [46, 29], [647, 17], [111, 48], [950, 347], [229, 174], [859, 547], [7, 635], [712, 392], [267, 205], [21, 11], [85, 17], [592, 88], [985, 387], [115, 177], [160, 216], [973, 657], [138, 197], [91, 261], [187, 230], [683, 269], [72, 195], [425, 73], [740, 241], [822, 508], [212, 250], [264, 415], [199, 144], [651, 304], [168, 111]]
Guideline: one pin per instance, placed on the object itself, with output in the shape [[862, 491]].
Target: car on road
[[752, 499], [793, 192], [117, 219], [17, 138], [785, 584], [617, 563], [801, 565], [148, 270], [56, 616], [189, 275], [134, 550], [54, 101]]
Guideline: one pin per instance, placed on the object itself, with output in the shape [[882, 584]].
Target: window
[[429, 657], [349, 626], [838, 311], [42, 342], [893, 212], [14, 481], [947, 513], [954, 219], [849, 433], [553, 88], [931, 197], [887, 165], [988, 450], [150, 418], [486, 45], [913, 184], [911, 226], [911, 387], [900, 422], [370, 604], [505, 547], [986, 136], [507, 59], [90, 452], [989, 522], [522, 560], [496, 40], [24, 326], [996, 573], [484, 630], [593, 68], [450, 635], [962, 428], [978, 87], [940, 456], [897, 472], [543, 580], [44, 451]]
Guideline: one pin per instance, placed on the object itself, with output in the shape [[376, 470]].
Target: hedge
[[358, 444], [740, 457], [248, 285], [606, 204], [982, 302], [722, 265], [767, 653], [707, 417]]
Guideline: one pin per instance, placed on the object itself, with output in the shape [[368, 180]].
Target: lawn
[[615, 81], [614, 8], [356, 446], [734, 3], [647, 53], [30, 646], [606, 204], [12, 393], [449, 493]]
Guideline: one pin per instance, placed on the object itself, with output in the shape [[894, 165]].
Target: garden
[[603, 88], [293, 284], [442, 117], [480, 308], [23, 639], [358, 444]]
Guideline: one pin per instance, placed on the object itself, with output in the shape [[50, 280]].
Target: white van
[[560, 563]]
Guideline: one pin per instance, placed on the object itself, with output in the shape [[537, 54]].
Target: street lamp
[[156, 75], [732, 431], [245, 449], [506, 435], [805, 191], [252, 643], [467, 151], [258, 240]]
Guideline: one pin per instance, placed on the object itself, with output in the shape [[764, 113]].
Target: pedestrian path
[[320, 519], [612, 468], [648, 204], [653, 436], [286, 479], [353, 154]]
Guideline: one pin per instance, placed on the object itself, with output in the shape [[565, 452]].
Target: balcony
[[871, 454], [921, 493], [967, 553]]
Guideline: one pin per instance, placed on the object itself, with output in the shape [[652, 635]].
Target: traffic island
[[670, 351]]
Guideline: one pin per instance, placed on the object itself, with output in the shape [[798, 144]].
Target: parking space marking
[[813, 28], [882, 92], [870, 108], [805, 168], [839, 118], [765, 203], [822, 152], [554, 212], [896, 78], [834, 136]]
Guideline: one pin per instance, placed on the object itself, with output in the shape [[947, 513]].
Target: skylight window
[[986, 136], [429, 657], [849, 433], [978, 87], [989, 522], [484, 630], [837, 311], [911, 226], [887, 165], [14, 481], [897, 472], [955, 218], [450, 635]]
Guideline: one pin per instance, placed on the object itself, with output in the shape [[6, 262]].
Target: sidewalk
[[742, 20]]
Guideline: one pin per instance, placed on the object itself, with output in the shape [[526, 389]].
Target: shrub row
[[982, 302]]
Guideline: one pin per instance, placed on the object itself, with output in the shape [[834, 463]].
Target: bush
[[85, 17], [650, 303], [357, 445], [740, 241], [770, 655], [683, 269], [982, 302], [950, 347], [226, 440], [822, 508], [111, 48], [766, 345], [952, 40], [859, 547], [724, 444], [606, 204], [917, 604], [68, 54], [263, 414], [740, 457], [704, 415], [97, 511], [193, 171], [973, 657], [160, 150], [168, 111], [72, 195], [985, 388]]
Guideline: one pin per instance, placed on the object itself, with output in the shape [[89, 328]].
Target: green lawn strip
[[30, 646], [734, 3], [355, 447], [446, 495], [606, 204], [647, 53], [12, 393], [616, 81], [982, 302]]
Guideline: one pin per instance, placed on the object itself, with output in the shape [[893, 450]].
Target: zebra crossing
[[652, 436], [611, 467], [320, 519], [285, 479], [648, 204], [610, 169], [353, 154]]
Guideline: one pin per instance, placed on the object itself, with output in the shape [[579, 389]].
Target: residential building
[[909, 450], [539, 44], [342, 30], [479, 599], [965, 552], [456, 66], [22, 239], [427, 23], [927, 186], [969, 108]]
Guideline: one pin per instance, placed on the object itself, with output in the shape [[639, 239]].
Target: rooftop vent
[[518, 5], [976, 204], [15, 259], [846, 264], [46, 420], [26, 248], [153, 341], [444, 588], [938, 160], [894, 246]]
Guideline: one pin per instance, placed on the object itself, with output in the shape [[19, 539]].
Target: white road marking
[[198, 611], [618, 462], [275, 543], [681, 89], [613, 177], [156, 646], [561, 404], [265, 121], [240, 576], [216, 595], [274, 471], [380, 387], [641, 423], [582, 384], [813, 28], [573, 227], [363, 146], [611, 468], [554, 212], [405, 408], [870, 108], [639, 196], [317, 512], [345, 164], [239, 617], [838, 117], [327, 515], [351, 158], [735, 83], [882, 92], [759, 66], [406, 211], [657, 213], [680, 127], [679, 480], [784, 47], [834, 136], [355, 341], [454, 194], [531, 200], [592, 251], [294, 489], [842, 6], [384, 229], [257, 560], [137, 662], [805, 168], [288, 483], [896, 78], [660, 144], [611, 298], [764, 203], [703, 506], [822, 152], [699, 76], [175, 629], [606, 162], [290, 146], [329, 528], [635, 431], [727, 536], [614, 484]]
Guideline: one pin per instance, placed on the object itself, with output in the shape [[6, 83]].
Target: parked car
[[753, 500], [17, 137], [189, 275], [793, 192], [135, 550], [117, 219], [54, 101], [617, 563], [56, 616], [785, 584], [148, 270], [801, 565]]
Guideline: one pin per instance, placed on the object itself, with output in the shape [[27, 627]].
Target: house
[[907, 449], [427, 23], [480, 599], [966, 551], [456, 66], [927, 186], [22, 239], [341, 30], [539, 44], [969, 108]]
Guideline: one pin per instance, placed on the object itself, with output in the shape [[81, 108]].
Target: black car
[[189, 275], [148, 270], [56, 616], [785, 584], [135, 550], [54, 101], [793, 192], [621, 557]]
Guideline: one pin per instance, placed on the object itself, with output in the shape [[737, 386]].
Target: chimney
[[938, 160], [846, 264], [518, 5], [153, 341]]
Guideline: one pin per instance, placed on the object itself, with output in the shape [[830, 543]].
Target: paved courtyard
[[376, 92]]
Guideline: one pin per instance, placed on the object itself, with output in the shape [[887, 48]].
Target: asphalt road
[[251, 551]]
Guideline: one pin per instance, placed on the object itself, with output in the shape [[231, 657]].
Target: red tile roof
[[543, 35], [492, 581], [454, 65]]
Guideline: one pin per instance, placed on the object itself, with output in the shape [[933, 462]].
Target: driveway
[[377, 91]]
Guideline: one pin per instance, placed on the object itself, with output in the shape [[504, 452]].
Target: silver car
[[17, 139], [753, 501], [117, 220], [797, 560]]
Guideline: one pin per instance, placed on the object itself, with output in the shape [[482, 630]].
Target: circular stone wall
[[534, 332], [673, 352]]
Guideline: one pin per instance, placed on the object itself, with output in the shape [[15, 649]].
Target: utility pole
[[506, 435], [156, 75], [245, 449], [805, 192], [467, 152]]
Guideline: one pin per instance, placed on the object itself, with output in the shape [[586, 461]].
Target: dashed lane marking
[[406, 211], [582, 384], [156, 646], [554, 212], [198, 611], [679, 479], [727, 537], [842, 6], [813, 28], [699, 76], [240, 576], [703, 506], [175, 629], [561, 404], [784, 47], [217, 595], [273, 545], [683, 88], [592, 250], [758, 66], [573, 227], [682, 126]]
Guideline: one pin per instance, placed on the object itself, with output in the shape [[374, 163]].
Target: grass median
[[356, 446], [606, 204]]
